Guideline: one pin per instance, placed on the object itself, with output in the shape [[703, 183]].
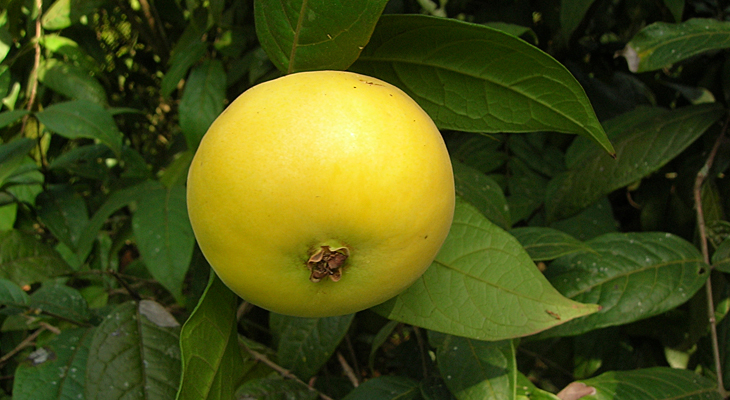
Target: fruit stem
[[327, 262]]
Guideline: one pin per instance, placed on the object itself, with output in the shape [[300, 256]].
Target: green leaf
[[474, 369], [275, 387], [658, 383], [482, 192], [12, 295], [572, 13], [71, 81], [64, 13], [56, 370], [721, 257], [85, 161], [12, 155], [211, 357], [25, 260], [202, 100], [527, 190], [639, 152], [164, 236], [64, 213], [592, 222], [386, 388], [482, 285], [526, 390], [481, 152], [82, 119], [6, 41], [114, 202], [70, 50], [676, 7], [134, 354], [8, 117], [189, 49], [305, 35], [662, 44], [543, 244], [61, 301], [305, 344], [632, 276], [469, 77]]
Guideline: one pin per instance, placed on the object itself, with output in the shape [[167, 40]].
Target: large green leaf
[[56, 370], [164, 236], [71, 81], [473, 369], [25, 260], [662, 44], [640, 138], [82, 119], [64, 212], [8, 117], [482, 285], [572, 13], [70, 50], [305, 344], [134, 354], [202, 100], [64, 13], [61, 301], [302, 35], [211, 357], [632, 276], [659, 383], [469, 77]]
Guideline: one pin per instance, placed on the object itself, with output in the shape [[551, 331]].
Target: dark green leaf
[[211, 357], [164, 236], [61, 301], [71, 81], [473, 78], [274, 387], [82, 119], [662, 44], [202, 100], [189, 49], [721, 257], [6, 40], [380, 338], [11, 294], [64, 13], [640, 151], [8, 117], [25, 260], [483, 193], [85, 161], [134, 354], [114, 202], [304, 35], [631, 275], [676, 7], [659, 383], [64, 213], [474, 369], [592, 222], [56, 370], [481, 152], [482, 285], [571, 15], [527, 190], [543, 244], [386, 388], [305, 344], [12, 155]]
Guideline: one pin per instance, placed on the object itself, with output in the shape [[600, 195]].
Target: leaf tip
[[631, 56]]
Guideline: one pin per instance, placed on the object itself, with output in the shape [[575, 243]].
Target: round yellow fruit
[[321, 193]]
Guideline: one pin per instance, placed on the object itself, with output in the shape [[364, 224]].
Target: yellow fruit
[[321, 193]]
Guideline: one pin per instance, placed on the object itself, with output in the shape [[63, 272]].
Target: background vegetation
[[589, 149]]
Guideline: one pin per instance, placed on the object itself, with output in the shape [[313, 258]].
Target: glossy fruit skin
[[313, 159]]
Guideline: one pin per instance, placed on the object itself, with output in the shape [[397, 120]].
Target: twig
[[704, 171], [33, 78], [421, 347], [25, 343], [281, 370], [348, 370]]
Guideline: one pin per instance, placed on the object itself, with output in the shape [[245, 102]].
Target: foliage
[[590, 241]]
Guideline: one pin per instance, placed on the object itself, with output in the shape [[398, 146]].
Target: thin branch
[[348, 370], [33, 78], [27, 342], [282, 371], [699, 180]]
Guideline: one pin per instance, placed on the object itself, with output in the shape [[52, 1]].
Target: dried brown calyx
[[327, 262]]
